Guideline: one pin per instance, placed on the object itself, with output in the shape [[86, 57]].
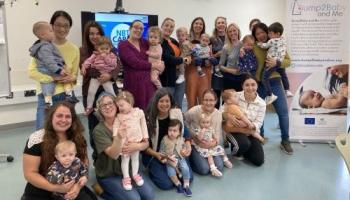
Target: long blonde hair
[[228, 42]]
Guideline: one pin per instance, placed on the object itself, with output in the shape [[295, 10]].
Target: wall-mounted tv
[[116, 25]]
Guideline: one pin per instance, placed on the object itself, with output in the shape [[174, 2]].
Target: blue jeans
[[200, 164], [113, 189], [40, 111], [158, 172], [183, 166], [178, 93], [280, 106]]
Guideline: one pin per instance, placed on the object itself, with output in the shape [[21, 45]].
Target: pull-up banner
[[318, 42]]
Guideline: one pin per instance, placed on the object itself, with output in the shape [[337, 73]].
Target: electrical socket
[[29, 93]]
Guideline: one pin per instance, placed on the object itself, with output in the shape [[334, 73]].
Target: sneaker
[[286, 148], [215, 172], [179, 188], [270, 99], [138, 179], [218, 74], [72, 99], [180, 79], [187, 192], [97, 188], [228, 164], [201, 73], [47, 107], [237, 157], [126, 182], [289, 93]]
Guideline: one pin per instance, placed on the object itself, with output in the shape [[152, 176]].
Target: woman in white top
[[254, 107]]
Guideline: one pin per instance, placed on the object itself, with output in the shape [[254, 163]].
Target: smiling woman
[[137, 69], [62, 124]]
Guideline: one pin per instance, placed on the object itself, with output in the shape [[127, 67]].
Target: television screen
[[116, 26]]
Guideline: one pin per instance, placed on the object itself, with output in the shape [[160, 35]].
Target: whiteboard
[[4, 60]]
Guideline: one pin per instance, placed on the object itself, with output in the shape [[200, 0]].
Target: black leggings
[[248, 146]]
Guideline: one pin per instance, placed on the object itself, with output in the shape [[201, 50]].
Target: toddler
[[155, 53], [171, 148], [202, 52], [104, 61], [50, 62], [247, 62], [185, 48], [207, 133], [67, 167], [231, 106], [277, 48], [136, 131]]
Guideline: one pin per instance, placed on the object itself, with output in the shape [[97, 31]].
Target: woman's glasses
[[106, 105]]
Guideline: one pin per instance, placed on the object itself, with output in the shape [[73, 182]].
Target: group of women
[[160, 107]]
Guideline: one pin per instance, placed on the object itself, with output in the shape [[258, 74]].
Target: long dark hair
[[333, 81], [192, 39], [50, 140], [86, 40], [262, 26], [61, 13], [152, 109]]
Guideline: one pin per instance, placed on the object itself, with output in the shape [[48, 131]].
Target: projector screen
[[116, 26]]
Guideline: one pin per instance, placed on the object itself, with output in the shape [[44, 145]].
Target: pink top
[[103, 64], [155, 54], [136, 123]]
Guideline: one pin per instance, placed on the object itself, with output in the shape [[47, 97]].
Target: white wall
[[24, 13]]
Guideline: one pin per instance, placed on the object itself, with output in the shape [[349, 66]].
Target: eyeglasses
[[106, 105], [64, 26], [138, 28]]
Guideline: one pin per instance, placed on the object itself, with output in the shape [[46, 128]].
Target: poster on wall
[[318, 42]]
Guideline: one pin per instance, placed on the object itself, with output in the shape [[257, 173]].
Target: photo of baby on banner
[[319, 107], [324, 92]]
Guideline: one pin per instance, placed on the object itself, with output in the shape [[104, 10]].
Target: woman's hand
[[188, 60], [217, 54], [104, 77], [233, 71], [64, 188], [162, 158], [236, 122], [270, 62], [67, 79], [186, 151], [73, 192], [131, 147], [159, 66], [241, 52]]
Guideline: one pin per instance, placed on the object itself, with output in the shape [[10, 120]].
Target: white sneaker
[[270, 99], [180, 79], [289, 93]]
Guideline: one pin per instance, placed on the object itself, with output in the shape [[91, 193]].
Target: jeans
[[178, 93], [40, 111], [200, 164], [183, 166], [280, 106], [113, 189], [158, 172]]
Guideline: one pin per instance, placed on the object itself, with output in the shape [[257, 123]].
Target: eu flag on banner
[[309, 120]]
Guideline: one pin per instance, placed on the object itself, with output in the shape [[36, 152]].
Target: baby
[[207, 133], [277, 48], [105, 61], [247, 63], [67, 167], [185, 48], [313, 99], [202, 53], [155, 53], [136, 131], [50, 62], [231, 106], [171, 148]]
